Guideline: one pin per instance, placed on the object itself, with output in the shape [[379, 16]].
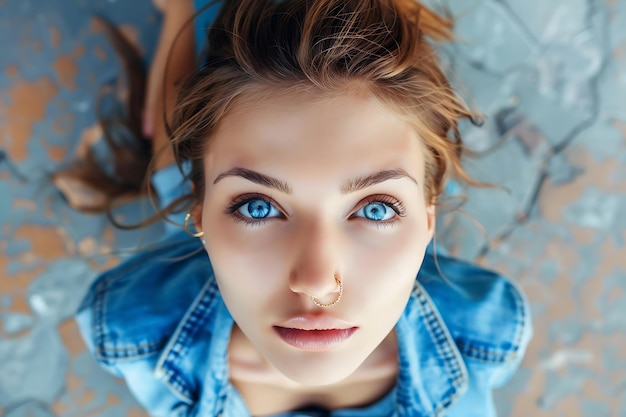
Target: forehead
[[313, 134]]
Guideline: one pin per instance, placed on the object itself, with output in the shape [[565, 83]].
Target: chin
[[312, 373]]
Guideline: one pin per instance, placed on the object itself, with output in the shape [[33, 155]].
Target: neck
[[258, 381]]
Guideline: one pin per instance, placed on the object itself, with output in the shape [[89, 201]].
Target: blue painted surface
[[550, 77]]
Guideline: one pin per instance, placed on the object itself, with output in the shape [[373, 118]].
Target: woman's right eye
[[254, 209], [258, 209]]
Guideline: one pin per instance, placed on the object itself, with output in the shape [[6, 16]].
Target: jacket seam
[[191, 324], [104, 353], [486, 355], [456, 369], [439, 337], [523, 315], [99, 308]]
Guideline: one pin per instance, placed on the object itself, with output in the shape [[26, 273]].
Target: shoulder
[[131, 311], [486, 314]]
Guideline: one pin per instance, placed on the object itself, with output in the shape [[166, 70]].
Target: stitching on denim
[[192, 324], [435, 329], [99, 326], [434, 325], [221, 401], [494, 355], [134, 352], [177, 384], [97, 330], [485, 354], [522, 314]]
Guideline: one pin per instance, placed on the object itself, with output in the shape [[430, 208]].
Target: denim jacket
[[158, 321]]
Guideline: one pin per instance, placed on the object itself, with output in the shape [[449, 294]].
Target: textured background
[[550, 75]]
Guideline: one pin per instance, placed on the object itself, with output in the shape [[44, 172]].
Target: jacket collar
[[432, 374], [183, 364]]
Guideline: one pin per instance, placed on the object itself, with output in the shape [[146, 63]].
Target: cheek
[[246, 261], [386, 268], [390, 267], [399, 249]]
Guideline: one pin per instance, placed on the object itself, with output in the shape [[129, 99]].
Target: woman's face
[[300, 189]]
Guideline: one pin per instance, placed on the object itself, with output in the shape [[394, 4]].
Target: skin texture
[[267, 271]]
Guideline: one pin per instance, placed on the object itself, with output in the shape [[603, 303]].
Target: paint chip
[[27, 105]]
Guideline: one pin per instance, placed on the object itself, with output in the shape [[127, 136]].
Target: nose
[[315, 262]]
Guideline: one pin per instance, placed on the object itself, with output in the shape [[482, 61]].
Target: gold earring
[[316, 301], [186, 227]]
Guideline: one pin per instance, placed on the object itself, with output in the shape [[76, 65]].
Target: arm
[[174, 59], [180, 62]]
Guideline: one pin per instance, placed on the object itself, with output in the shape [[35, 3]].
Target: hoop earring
[[186, 227], [316, 301]]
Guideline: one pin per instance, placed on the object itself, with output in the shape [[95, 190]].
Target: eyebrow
[[255, 177], [375, 178], [351, 186]]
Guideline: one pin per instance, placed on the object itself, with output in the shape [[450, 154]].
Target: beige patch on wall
[[55, 37], [57, 153], [47, 243], [66, 70], [27, 104]]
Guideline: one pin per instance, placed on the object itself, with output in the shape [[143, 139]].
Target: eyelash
[[238, 202], [390, 202], [387, 200]]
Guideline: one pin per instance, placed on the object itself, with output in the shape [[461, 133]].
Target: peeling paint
[[46, 243], [22, 110], [20, 203], [100, 53], [12, 71], [57, 153], [66, 70], [55, 37]]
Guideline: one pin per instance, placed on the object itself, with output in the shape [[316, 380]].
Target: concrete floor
[[550, 75]]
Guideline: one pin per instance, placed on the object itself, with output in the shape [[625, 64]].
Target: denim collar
[[432, 375]]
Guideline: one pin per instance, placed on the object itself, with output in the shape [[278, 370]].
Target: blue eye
[[376, 211], [258, 208]]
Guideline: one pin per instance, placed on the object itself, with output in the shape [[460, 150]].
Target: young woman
[[318, 136]]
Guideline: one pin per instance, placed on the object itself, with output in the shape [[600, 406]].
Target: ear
[[431, 215], [196, 215]]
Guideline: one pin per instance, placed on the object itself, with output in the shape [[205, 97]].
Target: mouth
[[314, 332], [314, 340]]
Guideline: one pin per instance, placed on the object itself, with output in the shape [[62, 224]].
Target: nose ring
[[319, 304]]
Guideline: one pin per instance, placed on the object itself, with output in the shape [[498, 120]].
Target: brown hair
[[327, 45], [85, 184]]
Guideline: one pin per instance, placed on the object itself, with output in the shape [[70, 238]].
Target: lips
[[315, 333], [314, 340]]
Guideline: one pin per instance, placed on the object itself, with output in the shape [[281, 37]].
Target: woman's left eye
[[376, 211]]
